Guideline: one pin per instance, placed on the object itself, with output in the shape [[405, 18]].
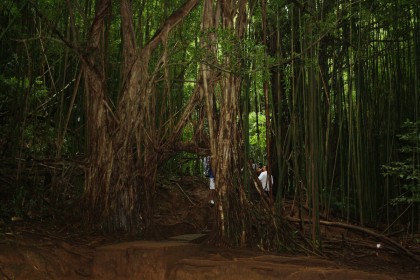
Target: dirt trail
[[184, 261], [178, 260], [42, 250]]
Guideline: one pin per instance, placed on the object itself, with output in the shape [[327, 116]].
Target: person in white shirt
[[263, 178]]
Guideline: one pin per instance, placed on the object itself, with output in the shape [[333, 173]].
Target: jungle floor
[[49, 248]]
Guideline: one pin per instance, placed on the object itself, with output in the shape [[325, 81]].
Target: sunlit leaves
[[257, 136]]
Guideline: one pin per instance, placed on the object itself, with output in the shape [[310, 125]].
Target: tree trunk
[[222, 104], [124, 142]]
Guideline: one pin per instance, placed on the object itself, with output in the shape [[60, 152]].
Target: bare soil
[[49, 249]]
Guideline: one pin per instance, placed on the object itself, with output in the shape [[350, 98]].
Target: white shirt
[[263, 179]]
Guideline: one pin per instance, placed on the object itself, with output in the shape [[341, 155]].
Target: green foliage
[[238, 53], [257, 136], [257, 55], [407, 170]]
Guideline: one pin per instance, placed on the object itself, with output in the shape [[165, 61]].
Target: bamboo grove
[[122, 88]]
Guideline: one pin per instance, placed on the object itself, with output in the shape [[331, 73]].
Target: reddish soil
[[40, 249]]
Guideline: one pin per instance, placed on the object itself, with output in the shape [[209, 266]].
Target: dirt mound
[[182, 260], [46, 260]]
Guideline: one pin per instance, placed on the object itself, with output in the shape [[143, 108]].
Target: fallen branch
[[379, 236], [186, 195]]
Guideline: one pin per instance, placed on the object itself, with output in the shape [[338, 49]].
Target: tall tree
[[124, 141], [222, 91]]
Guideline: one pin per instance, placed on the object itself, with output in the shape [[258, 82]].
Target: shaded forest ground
[[50, 248]]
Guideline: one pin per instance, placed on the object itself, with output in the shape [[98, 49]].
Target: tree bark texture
[[125, 142], [222, 90]]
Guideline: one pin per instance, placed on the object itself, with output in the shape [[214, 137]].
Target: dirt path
[[41, 249], [54, 259]]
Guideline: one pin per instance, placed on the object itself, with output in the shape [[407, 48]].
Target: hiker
[[263, 178], [208, 172]]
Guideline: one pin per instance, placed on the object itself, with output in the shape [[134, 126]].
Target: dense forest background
[[102, 99]]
